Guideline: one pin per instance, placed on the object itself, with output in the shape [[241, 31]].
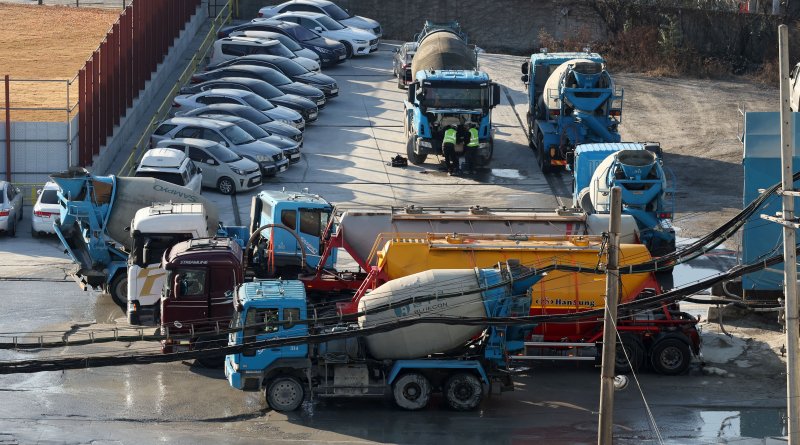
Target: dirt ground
[[47, 43]]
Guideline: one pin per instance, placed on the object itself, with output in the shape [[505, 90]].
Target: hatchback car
[[401, 63], [223, 169], [236, 46], [330, 51], [289, 69], [269, 75], [268, 157], [251, 114], [241, 97], [290, 43], [290, 147], [357, 42], [10, 208], [305, 107], [46, 210], [328, 8], [173, 166]]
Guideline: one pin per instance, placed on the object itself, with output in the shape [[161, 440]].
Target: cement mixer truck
[[447, 89], [409, 363], [571, 100]]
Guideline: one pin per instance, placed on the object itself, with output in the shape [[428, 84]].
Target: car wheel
[[226, 186], [348, 48]]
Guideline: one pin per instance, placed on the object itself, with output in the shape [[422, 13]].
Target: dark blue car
[[330, 51]]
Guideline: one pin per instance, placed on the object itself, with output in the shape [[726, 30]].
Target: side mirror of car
[[199, 171], [211, 162], [318, 28], [524, 68], [39, 191], [524, 78], [397, 50]]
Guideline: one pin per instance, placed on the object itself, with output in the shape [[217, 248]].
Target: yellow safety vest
[[473, 137], [449, 136]]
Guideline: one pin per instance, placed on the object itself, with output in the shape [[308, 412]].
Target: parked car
[[46, 210], [288, 68], [251, 114], [290, 43], [358, 42], [305, 107], [268, 157], [794, 88], [173, 166], [290, 148], [401, 63], [269, 75], [223, 169], [328, 8], [330, 51], [241, 97], [236, 46], [10, 208]]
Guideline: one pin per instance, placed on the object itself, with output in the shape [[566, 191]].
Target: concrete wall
[[127, 133], [37, 149]]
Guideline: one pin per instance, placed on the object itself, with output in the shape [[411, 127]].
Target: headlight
[[360, 42], [323, 50], [238, 171], [285, 121], [263, 158]]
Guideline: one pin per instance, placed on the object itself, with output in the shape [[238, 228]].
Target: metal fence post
[[8, 130]]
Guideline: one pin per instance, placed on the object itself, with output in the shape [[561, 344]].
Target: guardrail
[[220, 20]]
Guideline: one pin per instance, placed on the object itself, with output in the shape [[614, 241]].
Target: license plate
[[320, 102], [342, 56], [283, 168], [312, 115], [296, 156], [334, 91]]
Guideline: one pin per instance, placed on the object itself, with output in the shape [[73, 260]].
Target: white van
[[171, 165]]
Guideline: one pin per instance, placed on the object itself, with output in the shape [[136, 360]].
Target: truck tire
[[118, 289], [531, 136], [544, 164], [670, 355], [483, 161], [226, 186], [412, 391], [411, 152], [634, 348], [463, 391], [285, 393]]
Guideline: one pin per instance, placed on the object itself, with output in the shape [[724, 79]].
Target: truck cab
[[299, 224], [197, 296]]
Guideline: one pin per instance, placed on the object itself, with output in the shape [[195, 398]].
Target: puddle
[[756, 423], [506, 173]]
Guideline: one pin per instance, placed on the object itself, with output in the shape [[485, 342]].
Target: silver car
[[187, 102], [10, 208]]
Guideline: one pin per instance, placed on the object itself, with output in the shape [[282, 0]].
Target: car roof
[[264, 57], [251, 40], [224, 117], [308, 14], [162, 158], [226, 92], [199, 121], [50, 185], [251, 68], [191, 142]]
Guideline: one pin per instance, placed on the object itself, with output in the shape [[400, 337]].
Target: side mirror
[[495, 94], [16, 190], [318, 28], [177, 282], [412, 90], [524, 78], [211, 161], [524, 67], [225, 143], [39, 191], [199, 170], [396, 50]]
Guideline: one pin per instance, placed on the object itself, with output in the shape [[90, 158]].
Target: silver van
[[223, 169]]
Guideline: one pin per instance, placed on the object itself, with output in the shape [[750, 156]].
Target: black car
[[330, 51], [307, 108], [289, 68], [251, 114], [269, 75]]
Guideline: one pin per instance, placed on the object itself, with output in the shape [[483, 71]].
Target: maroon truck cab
[[196, 297]]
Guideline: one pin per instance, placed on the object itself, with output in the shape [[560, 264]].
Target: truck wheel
[[226, 186], [463, 391], [483, 161], [285, 394], [544, 165], [413, 156], [119, 290], [635, 355], [670, 355], [412, 391]]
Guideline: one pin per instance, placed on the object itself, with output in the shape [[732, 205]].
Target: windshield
[[49, 197], [254, 130], [222, 153], [329, 23], [274, 77], [253, 116], [266, 90], [237, 136], [336, 12], [292, 68], [302, 34], [442, 97], [259, 103], [288, 42]]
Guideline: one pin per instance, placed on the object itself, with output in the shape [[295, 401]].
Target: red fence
[[117, 71]]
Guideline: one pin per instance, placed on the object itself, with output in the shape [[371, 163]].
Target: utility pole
[[606, 415]]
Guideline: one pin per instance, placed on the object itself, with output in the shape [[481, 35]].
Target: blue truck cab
[[296, 225], [570, 105]]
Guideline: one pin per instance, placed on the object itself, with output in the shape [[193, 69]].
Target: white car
[[10, 208], [170, 165], [328, 8], [46, 210], [358, 42], [236, 46], [188, 102]]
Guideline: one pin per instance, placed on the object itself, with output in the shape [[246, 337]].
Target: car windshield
[[237, 136], [329, 23], [288, 42], [442, 97], [253, 129], [266, 90], [292, 68], [336, 12], [49, 197], [257, 102], [252, 115], [222, 153]]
